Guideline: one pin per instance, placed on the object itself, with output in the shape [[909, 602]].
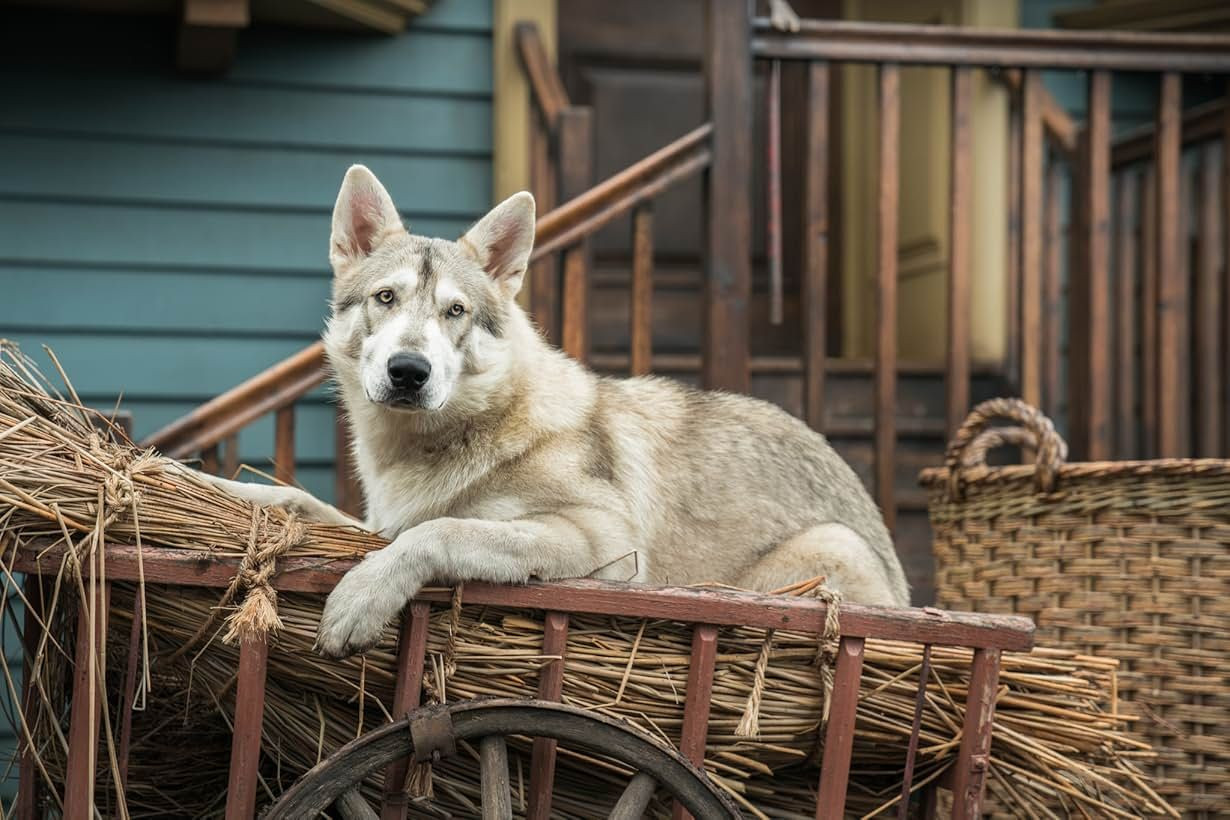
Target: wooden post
[[1210, 366], [1031, 238], [1173, 330], [407, 692], [347, 492], [886, 294], [1012, 306], [640, 347], [550, 687], [284, 445], [1052, 290], [244, 778], [544, 278], [973, 759], [576, 140], [1091, 418], [1225, 261], [697, 700], [86, 711], [728, 191], [1148, 313], [29, 786], [839, 734], [816, 244], [1126, 330], [959, 215]]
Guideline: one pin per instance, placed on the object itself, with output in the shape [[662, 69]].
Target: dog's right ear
[[363, 217]]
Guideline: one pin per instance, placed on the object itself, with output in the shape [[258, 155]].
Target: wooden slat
[[973, 759], [576, 154], [544, 282], [128, 697], [210, 461], [699, 695], [1012, 321], [1225, 260], [728, 236], [545, 83], [230, 455], [494, 778], [1148, 314], [641, 332], [1052, 291], [407, 692], [196, 568], [773, 151], [816, 245], [86, 710], [1031, 238], [886, 293], [1090, 383], [839, 734], [1210, 366], [960, 216], [911, 752], [29, 780], [550, 687], [244, 778], [1173, 330], [284, 445], [1125, 309]]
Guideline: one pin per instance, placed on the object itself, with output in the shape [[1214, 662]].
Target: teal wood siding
[[167, 235]]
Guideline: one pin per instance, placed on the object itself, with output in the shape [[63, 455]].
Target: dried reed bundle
[[1058, 746]]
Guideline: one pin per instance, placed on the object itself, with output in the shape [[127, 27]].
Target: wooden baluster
[[550, 687], [345, 481], [128, 698], [544, 281], [1225, 260], [973, 760], [576, 138], [1148, 314], [1052, 290], [1173, 330], [816, 244], [699, 695], [244, 778], [886, 294], [920, 702], [210, 462], [407, 692], [29, 783], [1015, 251], [959, 216], [728, 235], [230, 455], [1089, 384], [641, 331], [839, 734], [1126, 331], [87, 703], [1031, 238], [1210, 366], [284, 445], [773, 150]]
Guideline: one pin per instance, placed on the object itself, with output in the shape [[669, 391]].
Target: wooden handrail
[[288, 380], [546, 88], [1006, 48]]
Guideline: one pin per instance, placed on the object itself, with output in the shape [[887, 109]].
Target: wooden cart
[[432, 732]]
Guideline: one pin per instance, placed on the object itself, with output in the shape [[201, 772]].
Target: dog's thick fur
[[514, 462]]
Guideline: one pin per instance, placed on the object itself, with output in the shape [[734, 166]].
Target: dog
[[485, 454]]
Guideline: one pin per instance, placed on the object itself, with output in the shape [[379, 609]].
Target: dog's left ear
[[502, 240]]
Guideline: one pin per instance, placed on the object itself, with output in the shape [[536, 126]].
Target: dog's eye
[[384, 296], [456, 309]]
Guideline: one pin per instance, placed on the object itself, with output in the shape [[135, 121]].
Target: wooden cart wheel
[[434, 731]]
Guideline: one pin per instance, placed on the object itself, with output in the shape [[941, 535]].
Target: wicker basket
[[1129, 560]]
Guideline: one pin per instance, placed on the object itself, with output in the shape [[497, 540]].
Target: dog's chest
[[401, 498]]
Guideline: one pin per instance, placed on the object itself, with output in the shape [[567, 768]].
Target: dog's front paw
[[358, 609]]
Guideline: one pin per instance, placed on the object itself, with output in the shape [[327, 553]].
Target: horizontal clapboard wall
[[167, 236]]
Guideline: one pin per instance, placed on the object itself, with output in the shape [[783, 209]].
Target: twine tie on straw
[[830, 639], [749, 724], [257, 616]]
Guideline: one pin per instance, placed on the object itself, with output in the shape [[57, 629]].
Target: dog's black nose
[[409, 370]]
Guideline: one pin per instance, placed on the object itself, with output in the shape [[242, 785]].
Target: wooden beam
[[208, 34]]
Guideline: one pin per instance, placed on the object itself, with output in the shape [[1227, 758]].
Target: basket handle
[[975, 437]]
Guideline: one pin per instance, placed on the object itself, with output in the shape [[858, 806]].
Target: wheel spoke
[[497, 791], [351, 805], [635, 799]]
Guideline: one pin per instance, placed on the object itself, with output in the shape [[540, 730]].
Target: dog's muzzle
[[408, 373]]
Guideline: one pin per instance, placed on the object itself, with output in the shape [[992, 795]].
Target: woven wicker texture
[[1128, 560]]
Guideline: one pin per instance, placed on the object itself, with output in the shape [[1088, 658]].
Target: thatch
[[1058, 745]]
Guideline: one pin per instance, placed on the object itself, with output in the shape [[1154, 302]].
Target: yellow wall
[[923, 214]]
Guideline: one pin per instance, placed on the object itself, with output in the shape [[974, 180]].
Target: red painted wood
[[685, 604], [550, 687], [699, 696], [970, 770], [839, 734], [86, 711], [131, 671], [244, 781], [407, 694], [29, 785], [920, 702]]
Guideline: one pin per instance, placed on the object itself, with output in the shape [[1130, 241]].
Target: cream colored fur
[[519, 463]]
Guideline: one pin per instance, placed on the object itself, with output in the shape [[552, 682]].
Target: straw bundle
[[1058, 744]]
